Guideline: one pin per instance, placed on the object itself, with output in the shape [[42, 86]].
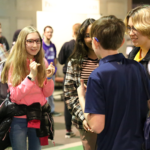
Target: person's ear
[[123, 42]]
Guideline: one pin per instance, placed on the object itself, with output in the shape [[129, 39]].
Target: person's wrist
[[83, 120], [31, 76], [81, 98]]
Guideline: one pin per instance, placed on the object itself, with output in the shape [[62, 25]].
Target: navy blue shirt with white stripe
[[116, 90]]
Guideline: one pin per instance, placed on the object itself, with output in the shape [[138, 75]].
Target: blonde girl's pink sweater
[[28, 92]]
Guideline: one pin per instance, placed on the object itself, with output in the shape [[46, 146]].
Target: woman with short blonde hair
[[137, 24]]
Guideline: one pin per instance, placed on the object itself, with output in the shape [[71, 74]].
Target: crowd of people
[[106, 95]]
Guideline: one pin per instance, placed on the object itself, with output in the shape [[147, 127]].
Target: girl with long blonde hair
[[29, 82]]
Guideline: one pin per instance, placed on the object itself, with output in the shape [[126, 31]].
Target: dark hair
[[47, 27], [109, 30], [81, 50], [16, 35]]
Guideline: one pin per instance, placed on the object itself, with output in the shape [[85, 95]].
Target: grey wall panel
[[16, 14]]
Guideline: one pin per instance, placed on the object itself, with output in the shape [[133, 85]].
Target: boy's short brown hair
[[109, 30]]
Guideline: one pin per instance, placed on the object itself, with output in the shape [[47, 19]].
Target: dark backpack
[[3, 87]]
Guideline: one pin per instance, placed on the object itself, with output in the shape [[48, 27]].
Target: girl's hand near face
[[33, 69], [50, 70]]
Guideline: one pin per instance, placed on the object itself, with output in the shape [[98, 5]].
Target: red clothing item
[[34, 124], [43, 140]]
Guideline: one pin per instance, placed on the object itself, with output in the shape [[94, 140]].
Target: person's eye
[[128, 27], [38, 41], [30, 41]]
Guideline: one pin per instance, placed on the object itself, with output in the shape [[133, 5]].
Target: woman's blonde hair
[[17, 60], [141, 19]]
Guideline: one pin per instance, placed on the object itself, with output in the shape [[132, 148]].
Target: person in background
[[3, 40], [4, 51], [138, 27], [81, 63], [15, 36], [115, 105], [65, 52], [29, 83], [50, 55]]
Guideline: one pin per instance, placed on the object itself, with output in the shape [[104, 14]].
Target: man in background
[[50, 55], [3, 40]]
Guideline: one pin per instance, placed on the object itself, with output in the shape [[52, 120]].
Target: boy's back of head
[[109, 31]]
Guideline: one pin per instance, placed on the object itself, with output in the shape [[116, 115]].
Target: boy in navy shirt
[[116, 100]]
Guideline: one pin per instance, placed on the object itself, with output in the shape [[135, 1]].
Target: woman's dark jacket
[[145, 61], [8, 110]]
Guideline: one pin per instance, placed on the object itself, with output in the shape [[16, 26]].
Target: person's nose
[[90, 39], [34, 44], [131, 32]]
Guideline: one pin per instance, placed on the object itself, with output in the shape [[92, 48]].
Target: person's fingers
[[85, 127], [53, 70], [51, 63], [32, 64], [31, 61], [88, 128], [50, 71], [50, 66], [82, 82], [85, 86], [38, 64]]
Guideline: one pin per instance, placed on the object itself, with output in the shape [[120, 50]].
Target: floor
[[61, 143]]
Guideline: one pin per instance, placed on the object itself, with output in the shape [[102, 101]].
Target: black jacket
[[34, 111], [65, 52], [145, 61]]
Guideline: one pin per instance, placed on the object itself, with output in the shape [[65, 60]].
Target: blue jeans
[[19, 133], [51, 99]]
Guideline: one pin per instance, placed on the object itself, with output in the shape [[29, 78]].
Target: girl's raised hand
[[33, 69], [50, 70]]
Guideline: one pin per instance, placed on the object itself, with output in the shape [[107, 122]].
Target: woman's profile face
[[87, 38], [33, 44], [138, 39]]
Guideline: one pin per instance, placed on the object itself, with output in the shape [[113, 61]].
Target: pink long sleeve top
[[28, 92]]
